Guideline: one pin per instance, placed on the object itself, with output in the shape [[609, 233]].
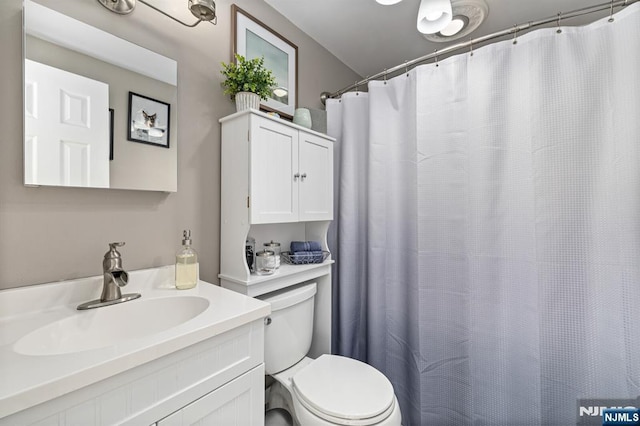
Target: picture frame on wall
[[251, 39], [149, 120]]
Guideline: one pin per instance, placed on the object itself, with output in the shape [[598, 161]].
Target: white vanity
[[276, 184], [172, 357]]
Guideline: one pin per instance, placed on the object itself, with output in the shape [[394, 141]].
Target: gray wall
[[50, 234]]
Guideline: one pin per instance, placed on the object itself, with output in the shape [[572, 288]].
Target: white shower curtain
[[488, 228]]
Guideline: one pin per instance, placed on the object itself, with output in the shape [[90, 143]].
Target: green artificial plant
[[248, 75]]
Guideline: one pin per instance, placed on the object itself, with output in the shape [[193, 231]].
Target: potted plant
[[248, 81]]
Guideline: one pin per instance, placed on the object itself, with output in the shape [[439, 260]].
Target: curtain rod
[[410, 64]]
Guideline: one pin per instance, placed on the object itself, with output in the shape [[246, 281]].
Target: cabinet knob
[[304, 175], [296, 176]]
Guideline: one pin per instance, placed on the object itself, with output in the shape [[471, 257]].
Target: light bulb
[[434, 16], [455, 26]]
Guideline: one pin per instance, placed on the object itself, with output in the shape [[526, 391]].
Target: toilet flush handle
[[267, 320]]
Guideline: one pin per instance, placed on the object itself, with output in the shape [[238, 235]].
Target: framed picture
[[148, 120], [251, 39]]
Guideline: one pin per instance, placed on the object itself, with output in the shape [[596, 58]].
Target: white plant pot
[[246, 100]]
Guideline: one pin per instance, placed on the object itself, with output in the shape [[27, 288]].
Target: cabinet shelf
[[285, 276]]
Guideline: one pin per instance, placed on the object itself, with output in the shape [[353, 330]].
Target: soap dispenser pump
[[186, 264]]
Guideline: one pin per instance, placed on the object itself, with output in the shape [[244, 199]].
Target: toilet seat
[[344, 391]]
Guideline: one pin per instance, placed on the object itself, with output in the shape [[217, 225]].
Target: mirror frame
[[54, 27]]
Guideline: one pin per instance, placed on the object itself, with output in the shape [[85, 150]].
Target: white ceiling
[[370, 38]]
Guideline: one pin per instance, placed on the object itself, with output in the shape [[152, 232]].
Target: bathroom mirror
[[99, 111]]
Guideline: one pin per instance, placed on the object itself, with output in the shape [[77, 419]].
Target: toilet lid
[[335, 387]]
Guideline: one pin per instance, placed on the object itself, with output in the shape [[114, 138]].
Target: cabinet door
[[273, 157], [238, 403], [316, 178]]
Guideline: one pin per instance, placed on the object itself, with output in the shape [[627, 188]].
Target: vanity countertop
[[28, 379]]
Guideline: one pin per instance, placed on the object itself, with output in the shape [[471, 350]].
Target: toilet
[[329, 390]]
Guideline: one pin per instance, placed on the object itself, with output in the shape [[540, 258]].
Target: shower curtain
[[488, 228]]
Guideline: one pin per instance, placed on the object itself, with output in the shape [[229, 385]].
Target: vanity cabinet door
[[315, 156], [273, 158], [238, 403]]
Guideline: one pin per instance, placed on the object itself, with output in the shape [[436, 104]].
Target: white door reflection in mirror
[[69, 145]]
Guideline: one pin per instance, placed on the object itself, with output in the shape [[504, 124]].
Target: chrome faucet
[[114, 277]]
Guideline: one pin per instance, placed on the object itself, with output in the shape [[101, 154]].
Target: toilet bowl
[[329, 390], [335, 390]]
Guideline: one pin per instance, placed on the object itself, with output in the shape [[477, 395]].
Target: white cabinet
[[276, 184], [238, 403], [288, 175], [219, 381]]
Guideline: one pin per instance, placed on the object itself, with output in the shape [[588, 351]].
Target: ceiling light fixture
[[468, 15], [388, 2], [456, 25], [204, 10], [434, 16]]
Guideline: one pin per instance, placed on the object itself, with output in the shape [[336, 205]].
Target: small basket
[[304, 258]]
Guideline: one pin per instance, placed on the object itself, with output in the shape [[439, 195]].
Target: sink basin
[[110, 325]]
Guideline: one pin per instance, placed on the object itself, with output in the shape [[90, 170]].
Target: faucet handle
[[113, 250], [112, 259], [112, 246]]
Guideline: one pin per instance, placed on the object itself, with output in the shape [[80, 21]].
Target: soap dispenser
[[186, 264]]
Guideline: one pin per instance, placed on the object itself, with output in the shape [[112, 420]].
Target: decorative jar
[[302, 117], [265, 262], [275, 248]]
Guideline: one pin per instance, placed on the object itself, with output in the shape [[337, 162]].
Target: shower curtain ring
[[471, 47], [435, 53], [406, 68], [559, 30], [385, 76], [515, 34], [611, 13], [357, 88]]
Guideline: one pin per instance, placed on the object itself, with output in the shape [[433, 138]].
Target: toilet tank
[[289, 328]]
